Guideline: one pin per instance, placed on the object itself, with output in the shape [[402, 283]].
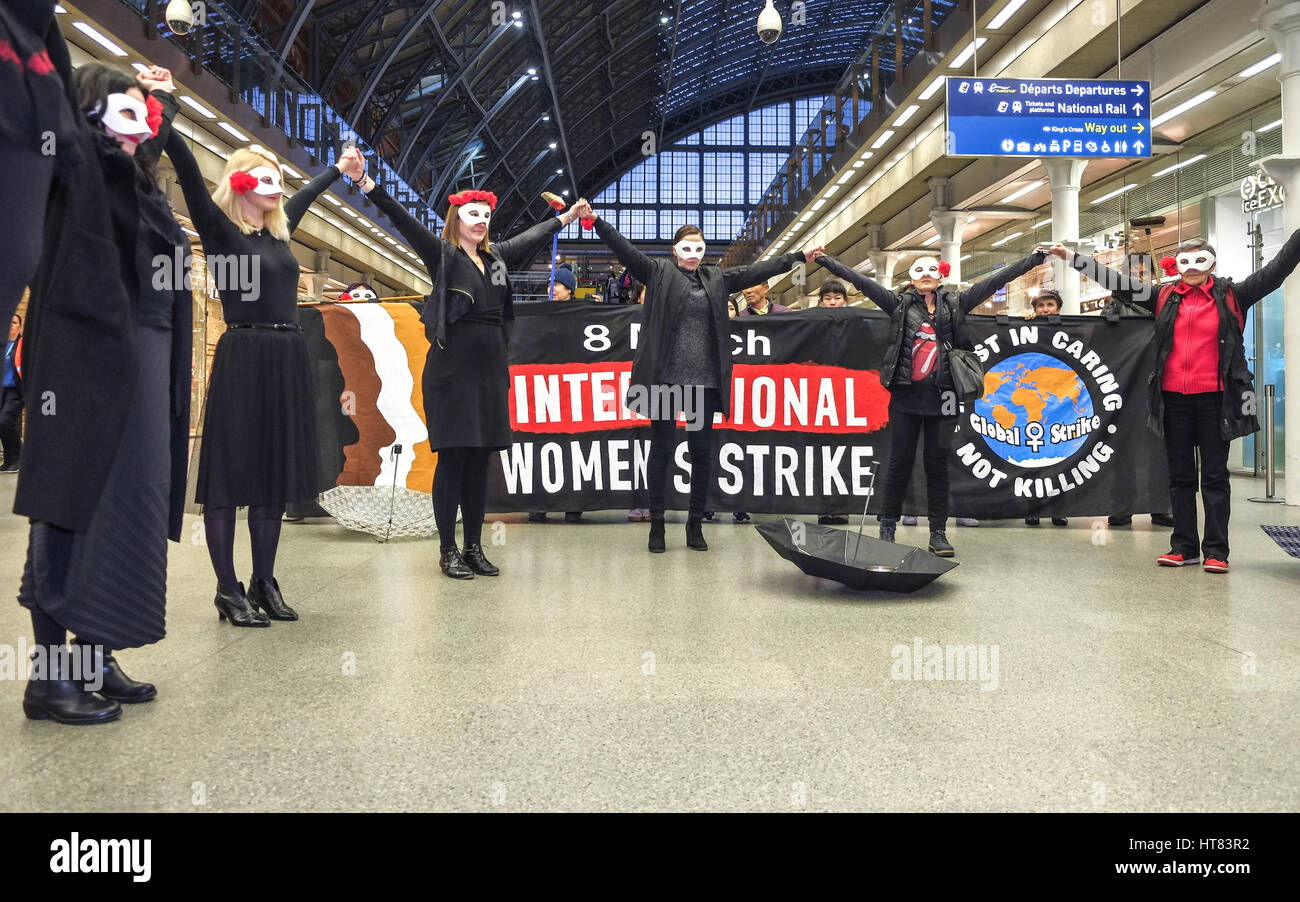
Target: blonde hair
[[451, 230], [243, 160]]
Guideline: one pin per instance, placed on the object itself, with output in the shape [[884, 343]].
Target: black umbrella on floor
[[1287, 538], [858, 561]]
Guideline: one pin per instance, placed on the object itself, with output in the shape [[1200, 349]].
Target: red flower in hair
[[344, 297], [944, 268], [155, 117], [472, 197], [241, 182], [1169, 265]]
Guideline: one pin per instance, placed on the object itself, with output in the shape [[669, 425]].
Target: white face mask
[[1200, 260], [689, 249], [124, 115], [474, 214], [926, 266], [362, 294], [268, 180]]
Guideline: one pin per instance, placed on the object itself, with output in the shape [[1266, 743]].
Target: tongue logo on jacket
[[925, 352]]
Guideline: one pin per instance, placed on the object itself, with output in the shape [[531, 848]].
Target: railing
[[253, 73]]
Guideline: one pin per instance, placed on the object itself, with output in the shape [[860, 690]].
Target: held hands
[[156, 78], [1060, 250], [352, 163], [584, 212], [813, 253]]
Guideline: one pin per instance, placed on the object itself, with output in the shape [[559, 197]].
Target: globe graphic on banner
[[1033, 388]]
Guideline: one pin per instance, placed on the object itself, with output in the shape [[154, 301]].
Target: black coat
[[79, 355], [665, 299], [1235, 376], [951, 307]]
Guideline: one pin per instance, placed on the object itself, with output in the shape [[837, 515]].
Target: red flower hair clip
[[944, 268], [587, 223], [241, 182], [472, 197], [155, 117], [1169, 265]]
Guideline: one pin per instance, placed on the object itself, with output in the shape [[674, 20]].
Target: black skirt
[[467, 389], [109, 584], [259, 436]]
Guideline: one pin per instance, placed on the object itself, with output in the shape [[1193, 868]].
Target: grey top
[[693, 351]]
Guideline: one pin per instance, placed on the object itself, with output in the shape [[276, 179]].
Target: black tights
[[264, 530], [460, 480], [699, 441], [52, 634]]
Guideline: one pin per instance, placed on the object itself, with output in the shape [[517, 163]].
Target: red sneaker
[[1214, 565], [1174, 559]]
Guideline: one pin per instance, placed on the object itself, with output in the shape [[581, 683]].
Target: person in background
[[11, 398], [566, 283], [757, 304], [359, 292], [1046, 303]]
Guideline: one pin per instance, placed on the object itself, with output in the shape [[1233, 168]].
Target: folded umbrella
[[860, 562]]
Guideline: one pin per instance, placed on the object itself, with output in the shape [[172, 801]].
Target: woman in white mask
[[926, 319], [259, 438], [1201, 394], [682, 363], [108, 583], [466, 378]]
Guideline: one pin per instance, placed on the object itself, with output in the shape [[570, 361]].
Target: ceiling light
[[553, 145], [885, 136], [532, 71], [821, 202], [98, 38], [1011, 237], [333, 200], [1177, 166], [232, 131], [1007, 12], [933, 88], [964, 258], [516, 14], [844, 179], [908, 113], [1021, 192], [546, 117], [931, 240], [1182, 108], [1266, 63], [140, 67], [197, 107], [1269, 127], [967, 52], [1106, 197], [1042, 222], [290, 171]]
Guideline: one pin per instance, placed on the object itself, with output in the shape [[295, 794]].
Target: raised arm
[[296, 207], [519, 250], [157, 84], [984, 289], [208, 217], [738, 278], [637, 263], [1252, 289], [426, 244], [883, 298], [1140, 292]]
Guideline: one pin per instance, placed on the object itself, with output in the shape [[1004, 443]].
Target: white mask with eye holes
[[1200, 260], [268, 180], [474, 214], [925, 266], [124, 115], [362, 294], [690, 249]]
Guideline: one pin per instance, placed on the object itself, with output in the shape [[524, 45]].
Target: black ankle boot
[[113, 683], [232, 605], [52, 695], [887, 528], [454, 565], [264, 595], [478, 561], [695, 534], [657, 545], [939, 545]]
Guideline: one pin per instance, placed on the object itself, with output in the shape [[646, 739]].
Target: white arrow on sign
[[1137, 145], [1137, 89], [1138, 108]]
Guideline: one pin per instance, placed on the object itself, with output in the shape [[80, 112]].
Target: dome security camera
[[769, 24], [180, 16]]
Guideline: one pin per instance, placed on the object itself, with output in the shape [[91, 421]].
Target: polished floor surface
[[594, 676]]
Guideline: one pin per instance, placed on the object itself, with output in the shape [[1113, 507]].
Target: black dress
[[259, 436], [109, 584], [467, 378]]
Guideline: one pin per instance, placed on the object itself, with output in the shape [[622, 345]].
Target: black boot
[[51, 695], [232, 605], [264, 595], [887, 528], [657, 544], [113, 683], [478, 561], [939, 545], [695, 534], [454, 565]]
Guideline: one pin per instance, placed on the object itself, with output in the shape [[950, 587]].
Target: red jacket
[[1193, 363]]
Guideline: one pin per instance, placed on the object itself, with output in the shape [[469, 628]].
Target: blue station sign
[[1048, 117]]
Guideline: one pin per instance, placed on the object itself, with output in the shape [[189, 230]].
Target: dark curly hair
[[93, 83]]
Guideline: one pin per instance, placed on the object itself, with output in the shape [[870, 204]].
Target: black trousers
[[1192, 423], [663, 441], [906, 430], [11, 422]]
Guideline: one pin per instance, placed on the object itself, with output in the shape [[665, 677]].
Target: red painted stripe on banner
[[793, 397]]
